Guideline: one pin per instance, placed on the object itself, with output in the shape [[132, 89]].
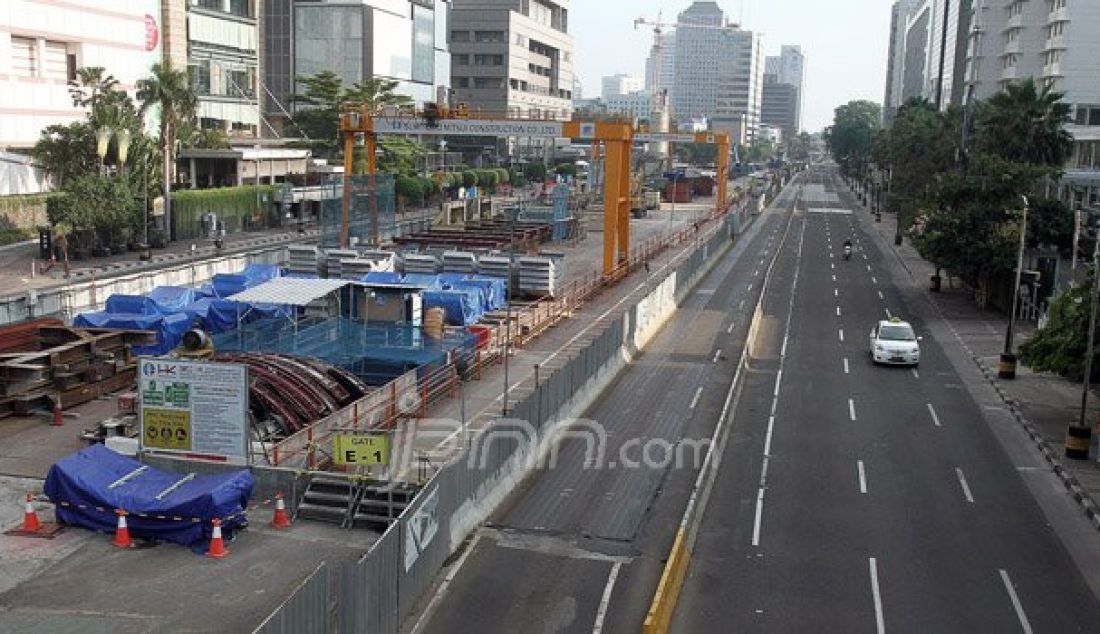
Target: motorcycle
[[847, 252]]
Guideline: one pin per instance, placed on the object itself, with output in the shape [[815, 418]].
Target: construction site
[[307, 419]]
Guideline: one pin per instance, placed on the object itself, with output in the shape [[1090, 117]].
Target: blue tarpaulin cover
[[81, 482], [460, 307], [136, 304], [422, 279], [260, 273], [227, 284], [221, 315], [169, 328], [172, 299], [381, 277]]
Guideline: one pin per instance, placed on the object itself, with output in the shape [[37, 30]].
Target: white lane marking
[[759, 515], [836, 293], [874, 280], [862, 477], [741, 305], [695, 399], [717, 354], [768, 437], [750, 288], [444, 586], [916, 375], [846, 365], [888, 315], [881, 296], [778, 379], [756, 273], [935, 419], [1015, 602], [868, 268], [964, 485], [851, 409], [838, 311], [832, 266], [880, 622], [840, 333], [730, 329], [864, 256], [601, 614], [834, 278]]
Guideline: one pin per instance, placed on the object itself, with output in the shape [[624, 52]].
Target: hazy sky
[[844, 42]]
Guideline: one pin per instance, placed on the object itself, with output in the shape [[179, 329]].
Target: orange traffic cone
[[122, 533], [58, 420], [280, 519], [217, 545], [30, 517]]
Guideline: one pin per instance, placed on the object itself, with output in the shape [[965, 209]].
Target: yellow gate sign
[[166, 428], [361, 449]]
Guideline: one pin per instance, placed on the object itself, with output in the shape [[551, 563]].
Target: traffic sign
[[361, 449]]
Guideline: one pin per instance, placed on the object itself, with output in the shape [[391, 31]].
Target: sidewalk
[[1044, 404]]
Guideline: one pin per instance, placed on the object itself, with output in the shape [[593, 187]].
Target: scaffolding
[[372, 210]]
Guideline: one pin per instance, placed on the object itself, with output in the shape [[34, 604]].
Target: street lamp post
[[1007, 368], [1079, 436], [508, 301]]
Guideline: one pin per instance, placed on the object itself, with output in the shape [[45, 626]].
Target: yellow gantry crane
[[361, 125]]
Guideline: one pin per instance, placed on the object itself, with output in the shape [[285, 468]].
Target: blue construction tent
[[90, 484], [221, 315], [461, 307], [132, 304], [169, 328]]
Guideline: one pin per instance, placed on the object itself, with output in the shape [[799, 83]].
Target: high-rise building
[[792, 66], [513, 57], [927, 56], [635, 105], [719, 71], [620, 84], [780, 106], [42, 44], [404, 41], [217, 41], [1056, 43]]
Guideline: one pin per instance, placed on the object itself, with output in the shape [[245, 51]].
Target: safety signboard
[[361, 449], [194, 407], [469, 127]]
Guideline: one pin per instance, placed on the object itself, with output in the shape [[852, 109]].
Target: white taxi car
[[894, 342]]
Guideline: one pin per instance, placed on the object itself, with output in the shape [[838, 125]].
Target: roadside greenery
[[957, 180]]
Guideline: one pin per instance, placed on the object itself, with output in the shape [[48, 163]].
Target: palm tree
[[1025, 124], [169, 91], [376, 94]]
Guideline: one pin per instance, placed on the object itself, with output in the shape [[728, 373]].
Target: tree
[[66, 151], [1061, 346], [1025, 124], [167, 90], [916, 149], [849, 138], [321, 98]]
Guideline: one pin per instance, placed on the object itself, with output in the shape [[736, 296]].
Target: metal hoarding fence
[[306, 611], [369, 587]]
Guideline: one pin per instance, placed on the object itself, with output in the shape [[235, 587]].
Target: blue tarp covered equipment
[[134, 304], [88, 480], [169, 328], [172, 299]]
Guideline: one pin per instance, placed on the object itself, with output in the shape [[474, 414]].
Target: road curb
[[1083, 498]]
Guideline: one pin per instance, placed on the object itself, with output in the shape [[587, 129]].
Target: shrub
[[234, 206], [469, 178]]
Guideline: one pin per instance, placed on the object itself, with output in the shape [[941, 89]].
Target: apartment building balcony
[[1012, 47], [1053, 70], [1010, 74], [1056, 42], [1015, 22], [1058, 15]]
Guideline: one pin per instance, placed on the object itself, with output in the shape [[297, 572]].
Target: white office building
[[719, 71], [636, 105], [660, 65], [620, 84], [42, 44]]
